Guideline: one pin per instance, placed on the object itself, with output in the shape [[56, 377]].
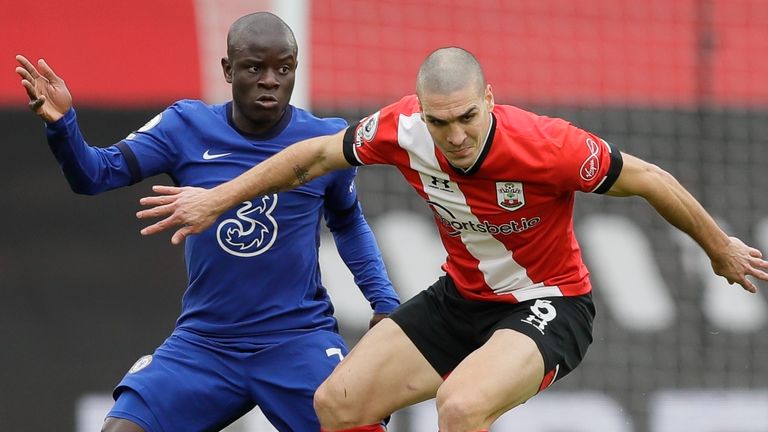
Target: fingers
[[747, 285], [29, 76], [759, 274], [168, 197], [24, 74], [157, 201], [169, 222], [36, 104], [162, 225], [28, 66], [759, 263], [47, 72], [167, 205], [180, 235], [167, 190], [155, 212], [30, 88], [27, 81], [754, 270]]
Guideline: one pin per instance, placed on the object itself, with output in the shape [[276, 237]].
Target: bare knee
[[334, 408], [114, 424], [457, 411]]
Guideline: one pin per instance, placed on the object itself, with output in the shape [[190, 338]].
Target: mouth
[[462, 152], [266, 101]]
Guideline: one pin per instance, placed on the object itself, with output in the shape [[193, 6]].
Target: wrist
[[716, 246], [221, 198]]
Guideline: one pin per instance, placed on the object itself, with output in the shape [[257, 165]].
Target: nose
[[269, 79], [456, 135]]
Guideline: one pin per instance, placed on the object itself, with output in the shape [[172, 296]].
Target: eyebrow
[[285, 58], [470, 110]]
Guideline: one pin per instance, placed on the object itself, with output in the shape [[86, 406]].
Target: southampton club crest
[[510, 195]]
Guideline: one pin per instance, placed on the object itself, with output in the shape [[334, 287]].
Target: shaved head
[[448, 70], [255, 25]]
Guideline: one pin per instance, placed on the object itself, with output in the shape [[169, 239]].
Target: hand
[[191, 208], [48, 95], [375, 319], [737, 261]]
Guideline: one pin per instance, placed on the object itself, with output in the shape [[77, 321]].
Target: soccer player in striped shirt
[[513, 312]]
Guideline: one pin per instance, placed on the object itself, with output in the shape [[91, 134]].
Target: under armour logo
[[442, 184]]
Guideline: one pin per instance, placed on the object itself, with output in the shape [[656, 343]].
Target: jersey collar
[[276, 130], [483, 153]]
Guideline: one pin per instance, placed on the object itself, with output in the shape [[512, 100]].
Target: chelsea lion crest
[[510, 195]]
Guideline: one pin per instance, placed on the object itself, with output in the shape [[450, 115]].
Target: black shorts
[[446, 327]]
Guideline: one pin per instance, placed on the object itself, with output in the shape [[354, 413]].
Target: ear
[[226, 67], [488, 97]]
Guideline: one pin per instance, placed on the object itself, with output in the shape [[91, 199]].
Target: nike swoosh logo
[[209, 156]]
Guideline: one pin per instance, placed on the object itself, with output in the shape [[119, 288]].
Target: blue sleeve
[[153, 146], [356, 243], [89, 170]]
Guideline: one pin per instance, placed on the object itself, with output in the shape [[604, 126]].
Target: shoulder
[[530, 127], [191, 107], [391, 116], [187, 110], [182, 115], [407, 106], [323, 126]]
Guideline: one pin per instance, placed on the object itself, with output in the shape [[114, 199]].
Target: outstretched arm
[[730, 257], [89, 170], [48, 95], [195, 209]]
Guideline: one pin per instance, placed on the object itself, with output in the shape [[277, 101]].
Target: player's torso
[[255, 270], [506, 225]]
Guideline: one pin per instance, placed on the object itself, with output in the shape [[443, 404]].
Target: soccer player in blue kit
[[256, 326]]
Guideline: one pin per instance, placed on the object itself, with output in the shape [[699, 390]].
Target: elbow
[[661, 175], [83, 188], [658, 185], [84, 191]]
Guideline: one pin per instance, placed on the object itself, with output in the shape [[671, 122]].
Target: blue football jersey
[[255, 271]]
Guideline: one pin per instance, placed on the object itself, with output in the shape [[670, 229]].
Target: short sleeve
[[583, 161], [153, 151], [374, 139]]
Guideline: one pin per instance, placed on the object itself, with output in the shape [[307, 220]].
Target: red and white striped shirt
[[507, 222]]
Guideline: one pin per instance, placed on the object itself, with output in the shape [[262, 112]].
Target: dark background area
[[83, 294]]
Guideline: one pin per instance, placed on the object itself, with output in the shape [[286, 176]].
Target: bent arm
[[730, 257], [288, 169], [195, 209], [89, 170], [671, 200], [358, 249]]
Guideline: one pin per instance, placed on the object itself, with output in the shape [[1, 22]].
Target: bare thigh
[[503, 373], [383, 373]]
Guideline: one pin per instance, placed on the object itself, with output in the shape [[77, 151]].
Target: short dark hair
[[449, 69], [255, 23]]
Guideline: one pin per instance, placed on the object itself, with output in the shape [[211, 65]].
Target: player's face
[[262, 73], [458, 122]]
